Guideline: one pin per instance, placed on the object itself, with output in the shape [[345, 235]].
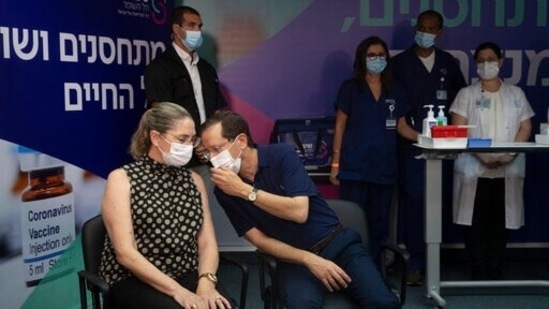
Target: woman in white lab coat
[[488, 186]]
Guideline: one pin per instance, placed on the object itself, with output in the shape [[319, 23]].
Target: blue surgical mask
[[424, 39], [376, 66], [193, 39]]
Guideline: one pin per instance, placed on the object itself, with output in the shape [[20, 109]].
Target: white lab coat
[[467, 167]]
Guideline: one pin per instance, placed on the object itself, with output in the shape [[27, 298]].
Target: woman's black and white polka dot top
[[166, 213]]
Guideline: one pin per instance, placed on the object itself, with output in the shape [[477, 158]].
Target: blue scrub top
[[368, 151], [421, 86], [281, 172]]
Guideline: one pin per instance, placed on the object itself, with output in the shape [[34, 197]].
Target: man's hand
[[332, 276], [228, 181]]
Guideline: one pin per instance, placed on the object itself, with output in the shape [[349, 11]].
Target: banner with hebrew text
[[71, 91], [71, 95]]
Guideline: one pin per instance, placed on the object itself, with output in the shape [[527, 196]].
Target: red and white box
[[446, 137]]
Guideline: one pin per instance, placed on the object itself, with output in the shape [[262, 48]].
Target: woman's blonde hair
[[161, 117]]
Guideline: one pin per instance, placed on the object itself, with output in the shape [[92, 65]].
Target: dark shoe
[[414, 278]]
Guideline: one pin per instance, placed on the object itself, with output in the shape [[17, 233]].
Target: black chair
[[227, 258], [393, 263], [93, 237]]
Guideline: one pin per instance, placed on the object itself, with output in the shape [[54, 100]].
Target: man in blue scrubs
[[429, 75], [271, 201]]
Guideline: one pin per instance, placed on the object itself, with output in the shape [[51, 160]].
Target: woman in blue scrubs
[[364, 162]]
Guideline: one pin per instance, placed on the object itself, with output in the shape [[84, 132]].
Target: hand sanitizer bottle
[[430, 121], [441, 119]]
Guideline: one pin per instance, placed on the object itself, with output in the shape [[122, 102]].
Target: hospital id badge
[[390, 123], [485, 103]]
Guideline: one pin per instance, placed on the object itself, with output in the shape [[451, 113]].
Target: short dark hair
[[232, 124], [432, 13], [178, 12], [488, 45]]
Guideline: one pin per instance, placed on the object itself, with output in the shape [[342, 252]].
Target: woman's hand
[[506, 158], [212, 298], [189, 300], [495, 162], [487, 160], [333, 175]]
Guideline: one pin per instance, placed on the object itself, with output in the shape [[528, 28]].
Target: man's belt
[[324, 242]]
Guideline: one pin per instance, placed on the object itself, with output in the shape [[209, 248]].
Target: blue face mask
[[193, 39], [376, 66], [424, 39]]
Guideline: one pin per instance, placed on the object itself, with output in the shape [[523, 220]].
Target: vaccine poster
[[71, 77], [72, 94]]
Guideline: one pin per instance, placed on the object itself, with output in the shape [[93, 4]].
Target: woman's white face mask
[[178, 155], [224, 159], [488, 69]]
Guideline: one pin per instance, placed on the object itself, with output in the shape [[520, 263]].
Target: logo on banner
[[159, 13], [154, 9]]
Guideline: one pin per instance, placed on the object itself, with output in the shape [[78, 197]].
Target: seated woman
[[161, 250]]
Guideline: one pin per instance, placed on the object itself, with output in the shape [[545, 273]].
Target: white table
[[433, 219]]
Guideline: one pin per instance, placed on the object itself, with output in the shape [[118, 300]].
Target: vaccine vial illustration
[[47, 215]]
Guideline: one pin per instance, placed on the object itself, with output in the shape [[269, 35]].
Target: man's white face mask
[[224, 159]]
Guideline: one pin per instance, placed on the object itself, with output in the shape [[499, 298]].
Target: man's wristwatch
[[209, 276], [252, 196]]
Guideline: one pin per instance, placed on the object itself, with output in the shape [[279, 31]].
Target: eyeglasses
[[373, 56], [186, 140], [213, 151]]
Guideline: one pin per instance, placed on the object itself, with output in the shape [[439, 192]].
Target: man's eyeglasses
[[215, 150], [186, 140]]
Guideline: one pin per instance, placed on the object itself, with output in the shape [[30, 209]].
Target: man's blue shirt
[[280, 172]]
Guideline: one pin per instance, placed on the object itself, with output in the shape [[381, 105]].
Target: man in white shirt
[[180, 76]]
